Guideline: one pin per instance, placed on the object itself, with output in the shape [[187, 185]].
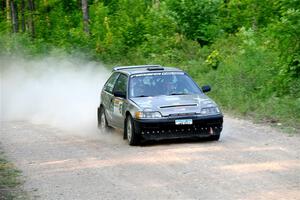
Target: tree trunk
[[23, 16], [254, 20], [85, 13], [31, 17], [47, 8], [14, 16], [8, 11], [3, 6]]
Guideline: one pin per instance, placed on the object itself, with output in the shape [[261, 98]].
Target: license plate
[[183, 121]]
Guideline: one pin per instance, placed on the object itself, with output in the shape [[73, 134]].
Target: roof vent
[[136, 67], [155, 68]]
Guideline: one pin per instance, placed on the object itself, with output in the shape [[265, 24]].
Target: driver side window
[[121, 84]]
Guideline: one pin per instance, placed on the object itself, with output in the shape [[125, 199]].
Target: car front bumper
[[157, 129]]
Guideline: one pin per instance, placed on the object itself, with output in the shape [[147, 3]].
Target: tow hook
[[211, 131]]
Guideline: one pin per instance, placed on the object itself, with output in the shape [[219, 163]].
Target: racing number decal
[[118, 106], [121, 107]]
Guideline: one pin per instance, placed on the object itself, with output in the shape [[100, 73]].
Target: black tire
[[98, 116], [132, 136], [102, 121], [214, 137]]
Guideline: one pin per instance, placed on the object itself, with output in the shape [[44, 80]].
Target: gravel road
[[249, 162]]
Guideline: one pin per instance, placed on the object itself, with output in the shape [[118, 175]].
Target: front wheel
[[132, 136]]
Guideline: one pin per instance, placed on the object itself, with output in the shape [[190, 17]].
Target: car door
[[119, 103], [107, 96]]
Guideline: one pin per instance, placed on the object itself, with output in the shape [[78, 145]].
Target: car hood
[[174, 105]]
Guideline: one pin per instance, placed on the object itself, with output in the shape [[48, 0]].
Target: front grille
[[181, 131], [182, 114], [167, 129]]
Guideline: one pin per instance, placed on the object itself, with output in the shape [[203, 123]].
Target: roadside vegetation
[[248, 50], [9, 180]]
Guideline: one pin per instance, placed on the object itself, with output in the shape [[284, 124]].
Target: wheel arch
[[101, 106]]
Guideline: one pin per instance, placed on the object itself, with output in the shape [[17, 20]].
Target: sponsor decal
[[158, 74], [118, 105]]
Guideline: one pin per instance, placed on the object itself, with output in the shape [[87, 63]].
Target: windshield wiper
[[179, 93], [142, 96]]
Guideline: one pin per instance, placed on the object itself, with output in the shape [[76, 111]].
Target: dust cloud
[[60, 92]]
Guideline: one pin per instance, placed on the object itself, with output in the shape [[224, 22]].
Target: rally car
[[151, 102]]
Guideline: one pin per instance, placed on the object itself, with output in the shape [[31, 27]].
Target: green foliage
[[247, 49], [253, 14], [213, 59], [197, 19], [9, 180], [247, 79], [285, 33]]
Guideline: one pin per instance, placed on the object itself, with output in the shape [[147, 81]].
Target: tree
[[31, 8], [85, 13], [198, 20], [14, 16], [7, 10], [23, 16]]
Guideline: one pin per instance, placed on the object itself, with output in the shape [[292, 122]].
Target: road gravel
[[250, 161]]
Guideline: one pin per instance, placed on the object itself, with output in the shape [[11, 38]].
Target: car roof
[[140, 69]]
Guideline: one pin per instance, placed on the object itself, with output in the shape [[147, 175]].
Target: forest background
[[247, 50]]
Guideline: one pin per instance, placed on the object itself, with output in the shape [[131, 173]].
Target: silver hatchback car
[[151, 102]]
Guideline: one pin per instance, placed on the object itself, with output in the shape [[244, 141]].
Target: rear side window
[[121, 84], [109, 85]]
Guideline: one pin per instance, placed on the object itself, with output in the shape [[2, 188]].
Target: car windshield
[[166, 83]]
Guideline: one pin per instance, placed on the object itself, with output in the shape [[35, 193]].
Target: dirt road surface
[[249, 162]]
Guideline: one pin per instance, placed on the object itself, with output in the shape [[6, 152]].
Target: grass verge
[[10, 183]]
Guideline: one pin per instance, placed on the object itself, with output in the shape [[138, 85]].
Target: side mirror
[[206, 88], [120, 94]]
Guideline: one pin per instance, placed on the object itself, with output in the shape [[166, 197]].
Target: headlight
[[147, 115], [210, 111]]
